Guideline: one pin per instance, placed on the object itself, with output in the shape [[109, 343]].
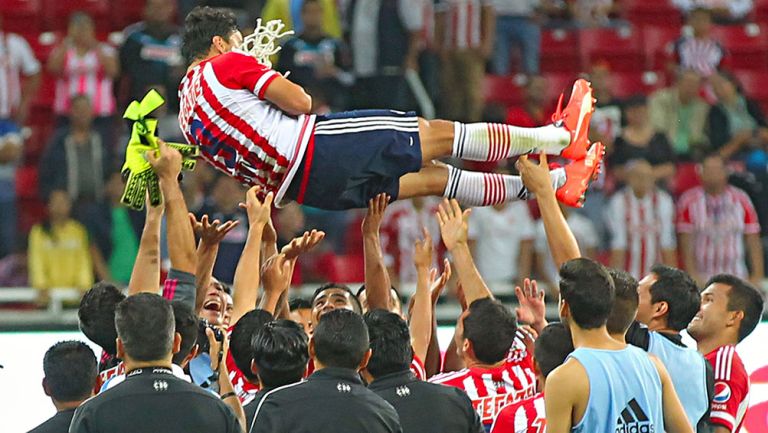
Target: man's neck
[[474, 363], [714, 191], [131, 365], [595, 339], [661, 326], [707, 345], [61, 406]]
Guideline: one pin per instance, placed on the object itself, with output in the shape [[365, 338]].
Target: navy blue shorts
[[355, 155]]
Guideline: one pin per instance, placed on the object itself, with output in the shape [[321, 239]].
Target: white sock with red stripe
[[497, 141], [473, 188]]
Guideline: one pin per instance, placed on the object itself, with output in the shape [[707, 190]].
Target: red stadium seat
[[502, 90], [26, 182], [686, 177], [747, 45], [560, 51], [633, 83], [754, 84], [47, 91], [653, 12], [57, 13], [30, 212], [658, 45], [621, 48], [43, 43], [559, 83], [20, 16]]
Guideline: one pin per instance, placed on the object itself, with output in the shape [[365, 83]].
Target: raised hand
[[535, 176], [211, 233], [376, 208], [422, 251], [258, 212], [302, 244], [166, 162], [454, 224], [436, 285], [532, 309], [276, 275]]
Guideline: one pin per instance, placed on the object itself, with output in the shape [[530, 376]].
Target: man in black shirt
[[151, 398], [279, 356], [70, 373], [390, 376], [333, 399]]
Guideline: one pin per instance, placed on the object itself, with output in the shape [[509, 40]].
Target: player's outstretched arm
[[288, 96], [145, 276], [675, 419], [561, 241], [454, 224], [211, 234], [377, 282]]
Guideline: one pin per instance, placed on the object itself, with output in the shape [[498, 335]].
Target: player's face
[[214, 305], [304, 318], [645, 307], [328, 300], [228, 309], [713, 173], [713, 316]]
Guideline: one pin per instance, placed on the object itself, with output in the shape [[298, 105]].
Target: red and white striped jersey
[[245, 390], [731, 400], [85, 75], [525, 416], [491, 389], [702, 55], [641, 227], [401, 228], [16, 59], [463, 22], [223, 110], [718, 224], [105, 375]]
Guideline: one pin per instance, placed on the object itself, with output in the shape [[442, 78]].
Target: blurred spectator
[[593, 13], [465, 35], [606, 120], [59, 252], [736, 124], [85, 66], [698, 50], [714, 221], [289, 223], [223, 204], [639, 140], [401, 229], [317, 60], [292, 15], [501, 238], [516, 23], [13, 267], [16, 61], [151, 53], [586, 236], [641, 221], [167, 119], [384, 38], [681, 114], [76, 160], [535, 110], [724, 11]]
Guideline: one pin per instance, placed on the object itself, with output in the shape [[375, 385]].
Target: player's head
[[280, 353], [96, 315], [730, 308], [301, 313], [185, 323], [640, 177], [552, 348], [333, 296], [209, 32], [624, 304], [312, 16], [70, 372], [586, 293], [485, 331], [340, 340], [395, 305], [669, 298], [714, 173], [229, 305], [215, 303], [240, 339], [146, 329], [700, 20], [390, 343]]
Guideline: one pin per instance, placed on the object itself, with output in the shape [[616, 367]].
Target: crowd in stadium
[[192, 303]]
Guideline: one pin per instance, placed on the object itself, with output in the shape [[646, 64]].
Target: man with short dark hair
[[730, 310], [333, 398], [301, 313], [96, 319], [151, 398], [332, 296], [389, 375], [279, 353], [246, 384], [70, 373]]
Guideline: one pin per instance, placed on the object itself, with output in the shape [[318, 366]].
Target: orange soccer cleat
[[575, 118], [578, 176]]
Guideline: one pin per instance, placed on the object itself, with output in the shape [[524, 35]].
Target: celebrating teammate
[[255, 125]]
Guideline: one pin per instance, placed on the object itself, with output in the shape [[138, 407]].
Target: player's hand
[[302, 244], [218, 349], [529, 337], [454, 224], [422, 251], [166, 162], [376, 208], [535, 176], [532, 309], [211, 233], [259, 212], [436, 285], [276, 274]]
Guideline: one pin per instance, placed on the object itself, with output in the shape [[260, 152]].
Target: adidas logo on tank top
[[633, 420]]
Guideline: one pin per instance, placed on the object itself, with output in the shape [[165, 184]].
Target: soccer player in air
[[255, 125]]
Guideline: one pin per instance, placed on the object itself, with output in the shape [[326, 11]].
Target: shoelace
[[261, 43]]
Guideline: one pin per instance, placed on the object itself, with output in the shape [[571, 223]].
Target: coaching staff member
[[333, 399], [390, 376], [151, 399]]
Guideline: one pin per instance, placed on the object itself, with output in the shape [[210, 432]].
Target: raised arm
[[561, 241], [377, 283], [532, 309], [246, 281], [454, 225], [276, 275], [218, 353], [211, 234], [145, 276]]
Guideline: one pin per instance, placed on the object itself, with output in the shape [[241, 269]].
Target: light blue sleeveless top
[[624, 392]]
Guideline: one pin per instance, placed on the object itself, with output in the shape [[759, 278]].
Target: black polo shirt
[[332, 400], [58, 423], [152, 399], [427, 407]]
